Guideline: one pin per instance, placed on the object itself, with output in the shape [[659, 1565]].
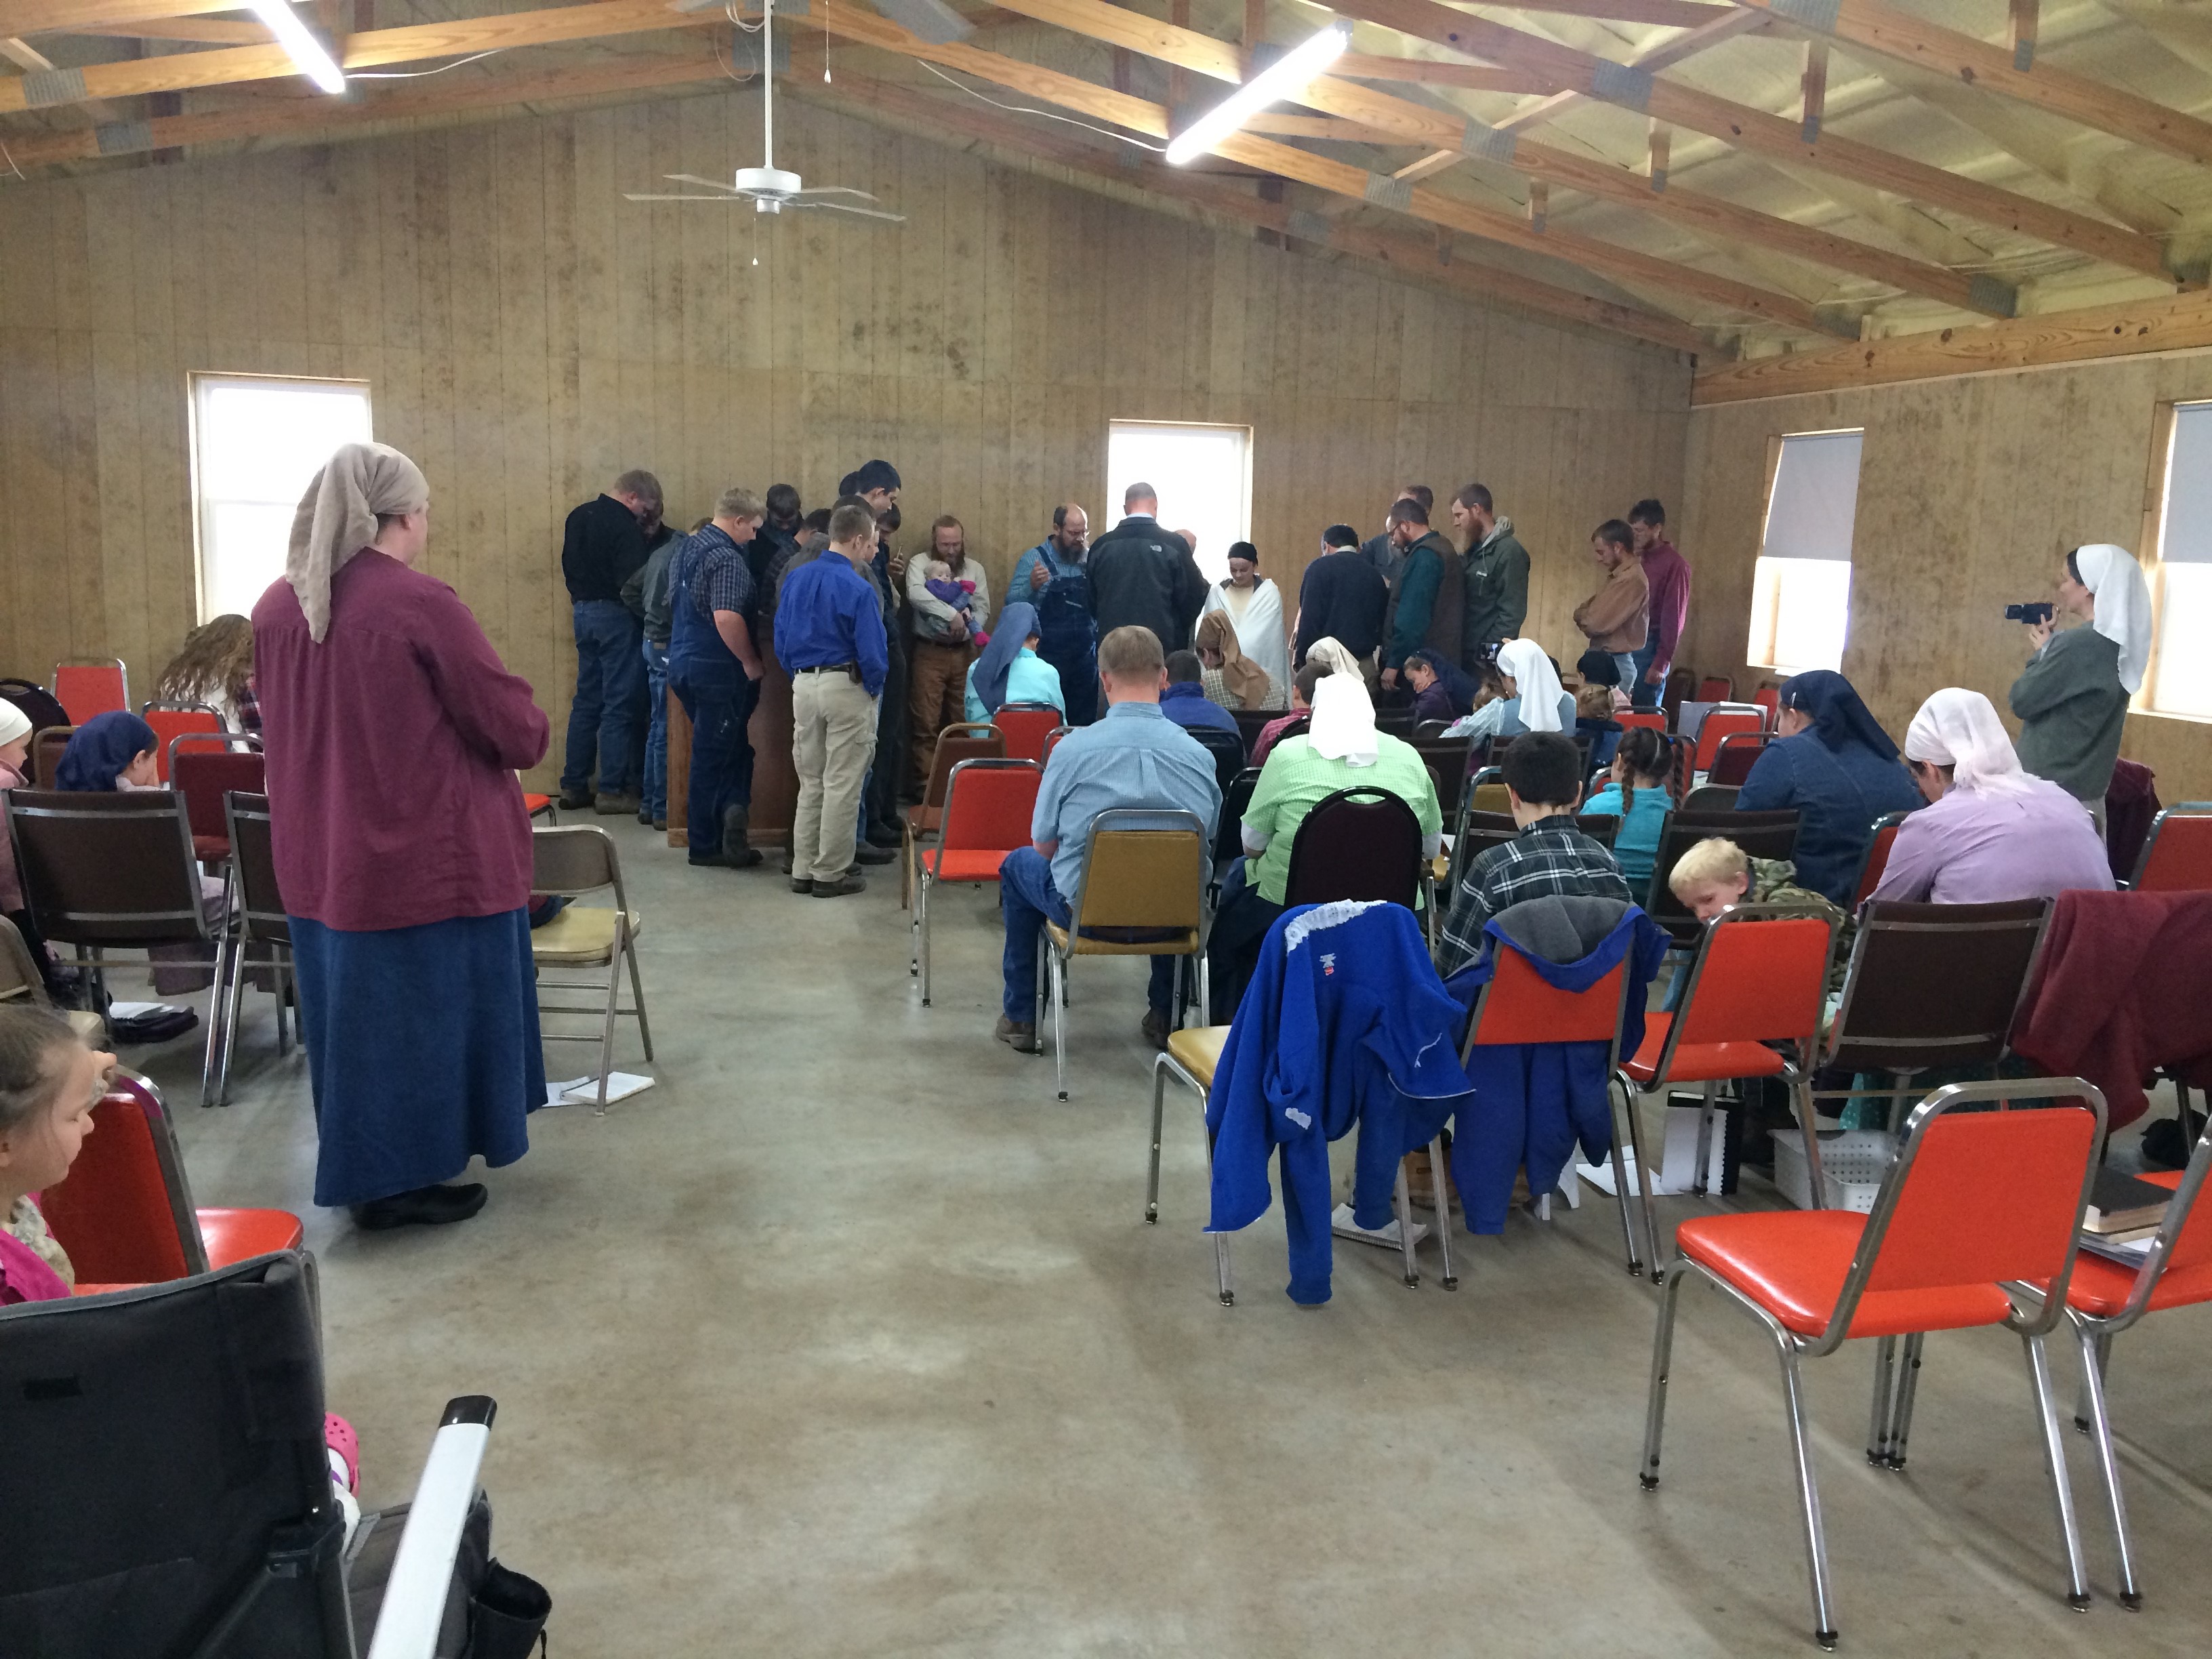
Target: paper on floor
[[584, 1091]]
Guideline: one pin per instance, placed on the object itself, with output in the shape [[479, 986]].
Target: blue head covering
[[98, 750], [1459, 685], [1016, 623], [1839, 719]]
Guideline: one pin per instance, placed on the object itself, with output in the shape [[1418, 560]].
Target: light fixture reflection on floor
[[309, 54], [1293, 70]]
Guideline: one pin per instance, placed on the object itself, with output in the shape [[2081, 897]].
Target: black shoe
[[868, 853], [1020, 1034], [576, 800], [801, 883], [644, 815], [613, 805], [660, 824], [744, 859], [886, 834], [428, 1207], [851, 882], [1157, 1024]]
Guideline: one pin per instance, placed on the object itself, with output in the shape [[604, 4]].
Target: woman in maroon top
[[393, 733]]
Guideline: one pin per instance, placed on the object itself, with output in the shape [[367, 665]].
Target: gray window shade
[[2188, 537], [1816, 497]]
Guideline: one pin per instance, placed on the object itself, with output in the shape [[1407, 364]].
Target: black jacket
[[601, 548], [1343, 597], [1144, 576]]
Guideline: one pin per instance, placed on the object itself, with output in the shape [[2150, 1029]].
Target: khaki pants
[[833, 738], [935, 697]]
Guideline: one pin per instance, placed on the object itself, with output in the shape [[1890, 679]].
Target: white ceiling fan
[[768, 188]]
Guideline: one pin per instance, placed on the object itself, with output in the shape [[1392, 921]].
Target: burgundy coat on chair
[[2130, 805], [2120, 992]]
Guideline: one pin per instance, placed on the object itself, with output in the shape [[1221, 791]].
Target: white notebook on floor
[[584, 1091]]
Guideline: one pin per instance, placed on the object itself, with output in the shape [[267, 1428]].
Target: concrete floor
[[845, 1340]]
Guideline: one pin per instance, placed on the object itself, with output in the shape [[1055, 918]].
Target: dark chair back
[[107, 869], [256, 904], [1761, 835], [1227, 749], [1398, 722], [1484, 830], [1600, 828], [172, 1438], [47, 746], [1736, 754], [1358, 843], [205, 766], [1250, 722], [1711, 797], [1450, 760], [1934, 984], [1227, 833], [1426, 729]]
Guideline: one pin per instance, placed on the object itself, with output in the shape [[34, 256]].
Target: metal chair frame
[[1044, 741], [2187, 809], [913, 830], [122, 679], [623, 949], [1891, 1417], [927, 872], [1054, 965], [254, 918]]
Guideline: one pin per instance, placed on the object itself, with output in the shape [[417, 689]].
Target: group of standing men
[[1412, 588]]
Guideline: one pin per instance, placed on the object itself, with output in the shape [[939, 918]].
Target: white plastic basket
[[1852, 1165]]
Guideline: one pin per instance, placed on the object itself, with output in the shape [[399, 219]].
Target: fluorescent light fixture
[[1289, 74], [309, 55]]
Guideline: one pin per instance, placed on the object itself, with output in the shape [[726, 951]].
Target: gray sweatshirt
[[2073, 706]]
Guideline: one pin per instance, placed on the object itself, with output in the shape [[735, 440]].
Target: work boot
[[428, 1207], [868, 853], [851, 882], [576, 800], [735, 853], [1020, 1034], [886, 834], [1157, 1023], [615, 805]]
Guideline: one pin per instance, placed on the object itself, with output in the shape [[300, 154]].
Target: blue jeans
[[656, 731], [1642, 695], [610, 699], [1027, 899], [722, 755]]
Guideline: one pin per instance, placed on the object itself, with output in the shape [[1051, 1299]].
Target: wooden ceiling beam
[[64, 17], [1706, 215], [1425, 71], [2010, 71], [2178, 323], [30, 61], [1755, 131], [192, 31], [1662, 14]]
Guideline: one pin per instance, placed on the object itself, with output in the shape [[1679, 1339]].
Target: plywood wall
[[527, 334], [1970, 492]]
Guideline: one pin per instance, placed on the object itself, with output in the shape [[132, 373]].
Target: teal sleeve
[[1417, 599]]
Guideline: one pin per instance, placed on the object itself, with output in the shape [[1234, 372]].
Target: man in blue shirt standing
[[829, 638], [1133, 757], [715, 667]]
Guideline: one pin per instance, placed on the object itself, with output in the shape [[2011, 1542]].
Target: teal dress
[[1636, 845], [1030, 679]]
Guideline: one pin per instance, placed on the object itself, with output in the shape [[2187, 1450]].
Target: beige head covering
[[337, 518], [1332, 654], [1246, 678], [1959, 729]]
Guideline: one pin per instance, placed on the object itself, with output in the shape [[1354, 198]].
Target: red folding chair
[[1029, 727], [86, 686], [1768, 700], [1877, 857], [2106, 1297], [172, 720], [2177, 856], [549, 805], [126, 1213], [1759, 977], [965, 740], [203, 768], [989, 805], [1721, 723], [1518, 1007], [1716, 688], [1734, 756], [1629, 719], [1943, 1244], [1052, 738]]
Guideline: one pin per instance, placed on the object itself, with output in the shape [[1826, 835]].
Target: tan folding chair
[[21, 981], [1143, 895], [568, 861]]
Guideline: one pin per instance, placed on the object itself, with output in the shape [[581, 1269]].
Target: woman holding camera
[[2072, 698]]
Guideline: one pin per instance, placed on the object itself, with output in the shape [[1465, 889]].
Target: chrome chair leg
[[637, 993], [1643, 1181], [1620, 1189], [1160, 1065], [2101, 1346], [2054, 1464], [1059, 988], [1444, 1209], [2094, 1346], [1908, 1390], [1655, 1409], [217, 993], [1808, 1492], [1809, 1124], [1697, 1183], [231, 1018], [1225, 1283], [921, 925], [1885, 1369], [1403, 1198]]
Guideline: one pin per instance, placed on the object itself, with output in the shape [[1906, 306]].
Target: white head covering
[[1333, 655], [2123, 605], [337, 518], [13, 722], [1959, 729], [1343, 726], [1535, 681]]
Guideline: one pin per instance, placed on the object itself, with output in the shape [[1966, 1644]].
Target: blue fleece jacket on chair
[[1534, 1101], [1344, 1023]]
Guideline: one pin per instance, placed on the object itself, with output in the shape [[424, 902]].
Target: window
[[1800, 595], [256, 440], [2181, 668], [1203, 474]]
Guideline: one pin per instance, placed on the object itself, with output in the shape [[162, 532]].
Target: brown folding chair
[[203, 768], [21, 981], [572, 860], [257, 921], [47, 746], [1143, 894], [963, 740], [1735, 753]]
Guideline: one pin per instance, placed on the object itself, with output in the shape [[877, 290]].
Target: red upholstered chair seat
[[1794, 1262], [1699, 1062]]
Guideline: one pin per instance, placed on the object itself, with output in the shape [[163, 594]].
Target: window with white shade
[[256, 441], [1203, 474], [2181, 667], [1801, 600]]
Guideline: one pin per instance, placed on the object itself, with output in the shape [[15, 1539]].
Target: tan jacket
[[1617, 615]]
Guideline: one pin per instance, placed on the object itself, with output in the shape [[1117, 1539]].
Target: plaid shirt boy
[[1550, 856]]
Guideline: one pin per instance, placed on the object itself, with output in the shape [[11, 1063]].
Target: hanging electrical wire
[[1049, 115], [417, 74]]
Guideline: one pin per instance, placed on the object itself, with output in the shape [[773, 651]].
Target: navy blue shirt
[[829, 614], [1840, 793], [1187, 704]]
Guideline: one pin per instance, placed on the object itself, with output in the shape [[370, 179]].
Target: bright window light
[[1287, 76], [2181, 675], [1800, 602], [256, 441], [1203, 475]]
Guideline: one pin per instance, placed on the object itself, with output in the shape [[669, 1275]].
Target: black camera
[[2039, 611]]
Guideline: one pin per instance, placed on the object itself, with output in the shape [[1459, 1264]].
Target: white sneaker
[[1341, 1223]]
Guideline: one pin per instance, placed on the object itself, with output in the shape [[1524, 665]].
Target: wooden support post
[[1661, 139], [1539, 203], [1178, 77], [1271, 190], [1815, 83], [2024, 22], [1255, 29]]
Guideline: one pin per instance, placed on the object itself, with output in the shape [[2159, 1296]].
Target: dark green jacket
[[1425, 602], [2073, 706], [1496, 593]]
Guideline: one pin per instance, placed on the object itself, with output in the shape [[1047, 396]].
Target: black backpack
[[39, 706]]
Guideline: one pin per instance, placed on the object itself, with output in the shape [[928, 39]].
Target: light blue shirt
[[1043, 553], [1030, 679], [1131, 757], [1502, 718]]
